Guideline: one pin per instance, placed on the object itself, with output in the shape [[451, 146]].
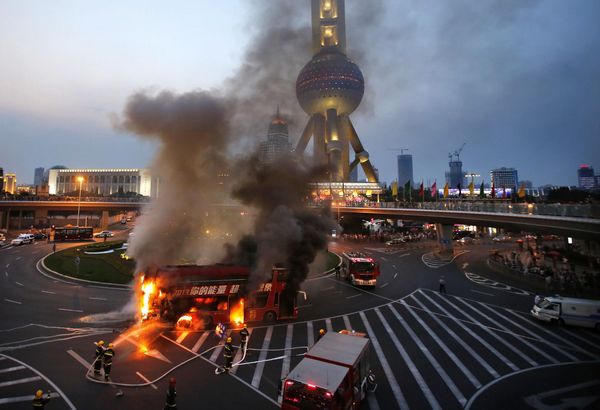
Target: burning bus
[[193, 296]]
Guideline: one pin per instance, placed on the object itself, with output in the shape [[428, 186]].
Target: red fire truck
[[192, 294], [334, 374], [359, 269]]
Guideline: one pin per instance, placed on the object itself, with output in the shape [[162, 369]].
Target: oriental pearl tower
[[329, 88]]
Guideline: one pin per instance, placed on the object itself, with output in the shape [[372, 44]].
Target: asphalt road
[[476, 347]]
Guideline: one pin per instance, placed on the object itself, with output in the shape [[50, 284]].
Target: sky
[[516, 80]]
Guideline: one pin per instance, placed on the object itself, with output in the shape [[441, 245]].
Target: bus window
[[260, 299]]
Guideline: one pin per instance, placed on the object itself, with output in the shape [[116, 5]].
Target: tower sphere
[[330, 80]]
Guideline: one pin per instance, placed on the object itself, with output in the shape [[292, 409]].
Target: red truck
[[334, 374]]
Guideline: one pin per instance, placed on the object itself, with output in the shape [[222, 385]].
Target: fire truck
[[191, 295], [359, 269], [334, 374]]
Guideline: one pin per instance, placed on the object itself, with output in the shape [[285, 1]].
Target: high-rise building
[[277, 143], [505, 178], [10, 183], [405, 169], [38, 176], [585, 177], [455, 176], [1, 180]]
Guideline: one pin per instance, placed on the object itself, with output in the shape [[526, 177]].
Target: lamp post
[[80, 180]]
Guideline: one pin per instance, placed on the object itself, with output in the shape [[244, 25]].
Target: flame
[[148, 289], [184, 321], [236, 315]]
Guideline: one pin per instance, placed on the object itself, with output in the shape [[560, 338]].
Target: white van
[[568, 311], [23, 238]]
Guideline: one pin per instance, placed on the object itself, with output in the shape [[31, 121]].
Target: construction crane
[[456, 153]]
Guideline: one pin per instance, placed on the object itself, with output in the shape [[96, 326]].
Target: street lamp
[[80, 180]]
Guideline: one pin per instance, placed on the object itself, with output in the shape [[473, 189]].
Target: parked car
[[501, 238], [39, 235], [395, 241], [104, 234], [23, 238], [2, 242]]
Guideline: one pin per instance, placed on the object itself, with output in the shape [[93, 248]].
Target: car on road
[[395, 241], [39, 235], [501, 238], [104, 234], [23, 238], [467, 240]]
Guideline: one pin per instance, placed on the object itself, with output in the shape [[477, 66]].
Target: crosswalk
[[430, 350], [19, 382]]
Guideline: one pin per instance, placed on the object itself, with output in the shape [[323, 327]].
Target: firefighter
[[228, 354], [107, 359], [99, 354], [244, 338], [39, 401], [171, 394], [321, 334]]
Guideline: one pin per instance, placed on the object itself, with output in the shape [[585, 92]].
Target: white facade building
[[103, 182]]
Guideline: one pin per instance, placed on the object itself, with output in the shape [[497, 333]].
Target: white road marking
[[239, 354], [445, 348], [80, 359], [12, 301], [403, 255], [347, 322], [18, 258], [468, 348], [395, 386], [20, 381], [481, 340], [48, 292], [7, 265], [310, 335], [329, 288], [305, 306], [436, 365], [384, 285], [482, 293], [12, 369], [394, 266], [412, 367], [95, 298], [215, 354], [141, 376], [285, 367], [373, 405], [182, 336], [395, 275], [71, 310], [19, 283], [260, 366], [6, 274], [328, 325], [354, 296], [200, 342], [383, 258], [465, 265], [21, 399]]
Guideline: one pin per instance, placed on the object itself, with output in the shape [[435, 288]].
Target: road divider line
[[13, 301], [49, 292], [354, 296], [146, 380], [19, 283], [394, 385], [20, 381], [182, 336], [80, 359], [384, 285], [71, 310], [481, 293], [395, 275], [18, 258], [96, 298], [260, 366]]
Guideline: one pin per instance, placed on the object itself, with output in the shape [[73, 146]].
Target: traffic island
[[98, 262]]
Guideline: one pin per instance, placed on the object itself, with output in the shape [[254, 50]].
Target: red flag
[[434, 188], [421, 190], [493, 190]]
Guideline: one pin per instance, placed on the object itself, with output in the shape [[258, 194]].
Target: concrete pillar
[[40, 217], [444, 238], [104, 220], [19, 226]]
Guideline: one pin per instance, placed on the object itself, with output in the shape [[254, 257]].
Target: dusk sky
[[516, 80]]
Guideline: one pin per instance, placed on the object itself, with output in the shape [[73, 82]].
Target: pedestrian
[[54, 247], [537, 299], [321, 334], [99, 354], [442, 285], [244, 338], [228, 354], [337, 272], [107, 359], [170, 403], [39, 401], [105, 236]]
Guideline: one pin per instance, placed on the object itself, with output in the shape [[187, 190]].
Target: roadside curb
[[71, 280]]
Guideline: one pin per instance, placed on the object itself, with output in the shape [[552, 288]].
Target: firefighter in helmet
[[170, 403], [99, 354], [244, 338], [321, 334], [39, 401], [228, 354], [107, 359]]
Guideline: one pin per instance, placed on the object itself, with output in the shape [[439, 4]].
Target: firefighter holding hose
[[244, 338], [99, 355], [228, 354]]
